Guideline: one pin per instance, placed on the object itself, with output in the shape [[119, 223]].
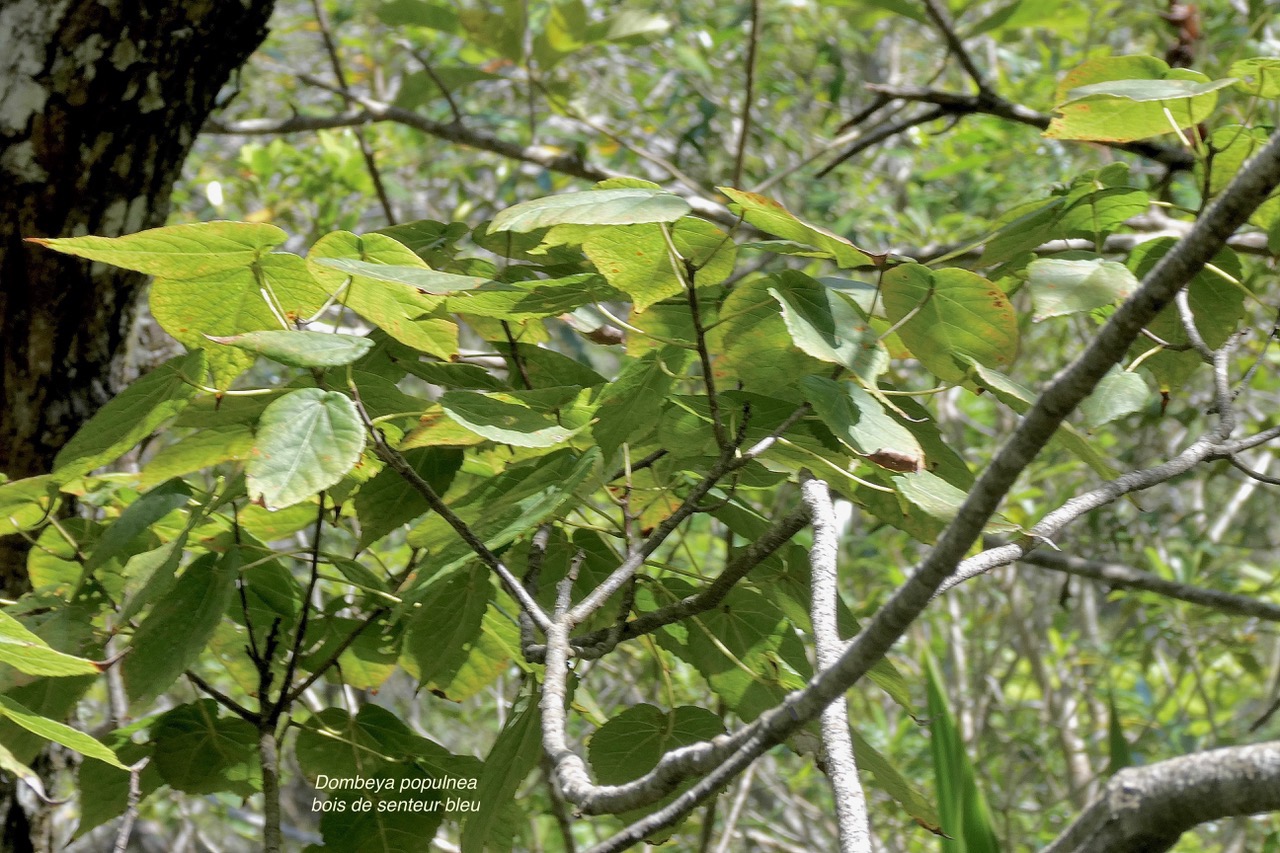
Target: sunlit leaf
[[1062, 287], [299, 348], [770, 216], [307, 440], [187, 251], [627, 206]]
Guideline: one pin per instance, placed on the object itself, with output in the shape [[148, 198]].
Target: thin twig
[[753, 42], [130, 815], [366, 150], [414, 479], [223, 699], [299, 637], [941, 20]]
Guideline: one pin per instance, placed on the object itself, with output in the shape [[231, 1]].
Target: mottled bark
[[100, 101]]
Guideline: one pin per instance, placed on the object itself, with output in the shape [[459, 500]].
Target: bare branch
[[1148, 808], [401, 465], [957, 49], [366, 150], [841, 766], [1121, 576], [749, 94], [599, 643], [372, 111]]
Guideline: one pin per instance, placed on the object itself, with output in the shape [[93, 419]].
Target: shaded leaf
[[181, 624], [949, 317], [630, 744], [199, 752], [131, 416]]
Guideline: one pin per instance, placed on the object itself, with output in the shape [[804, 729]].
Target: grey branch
[[1148, 808], [1247, 190], [841, 766], [1121, 576]]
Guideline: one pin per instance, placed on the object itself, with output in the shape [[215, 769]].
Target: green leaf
[[199, 752], [500, 511], [299, 348], [942, 500], [636, 260], [1118, 394], [1217, 302], [770, 216], [447, 623], [1120, 755], [388, 500], [961, 805], [137, 518], [307, 441], [1069, 287], [892, 781], [1124, 98], [491, 654], [515, 753], [510, 418], [526, 300], [25, 504], [233, 301], [1020, 400], [630, 744], [131, 416], [59, 733], [752, 340], [626, 206], [822, 324], [859, 421], [1147, 90], [403, 312], [950, 316], [27, 653], [177, 251], [212, 445], [178, 628], [1258, 75], [423, 279], [632, 404], [103, 789], [10, 764]]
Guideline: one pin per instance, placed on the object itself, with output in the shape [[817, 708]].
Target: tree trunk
[[100, 101]]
